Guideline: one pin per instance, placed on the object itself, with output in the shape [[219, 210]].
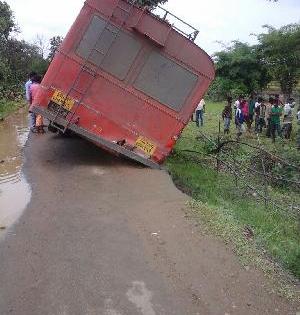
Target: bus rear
[[126, 79]]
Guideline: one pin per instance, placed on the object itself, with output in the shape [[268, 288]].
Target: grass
[[231, 212], [7, 107]]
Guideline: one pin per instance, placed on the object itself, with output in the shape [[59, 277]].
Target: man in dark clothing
[[269, 106], [227, 115], [276, 112]]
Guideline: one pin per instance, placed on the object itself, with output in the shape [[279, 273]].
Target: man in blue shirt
[[27, 85], [28, 98]]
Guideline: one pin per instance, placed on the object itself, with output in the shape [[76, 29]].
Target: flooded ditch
[[15, 192]]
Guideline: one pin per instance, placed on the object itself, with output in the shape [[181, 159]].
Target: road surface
[[102, 235]]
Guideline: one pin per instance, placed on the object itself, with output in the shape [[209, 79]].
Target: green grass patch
[[7, 107], [230, 210]]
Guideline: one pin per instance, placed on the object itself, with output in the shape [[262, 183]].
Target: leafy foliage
[[243, 69], [7, 23], [281, 54], [150, 3], [55, 42], [240, 70], [17, 57]]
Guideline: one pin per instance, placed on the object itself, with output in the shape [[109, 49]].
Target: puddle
[[15, 192]]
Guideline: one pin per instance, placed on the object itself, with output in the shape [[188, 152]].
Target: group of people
[[31, 89], [273, 115]]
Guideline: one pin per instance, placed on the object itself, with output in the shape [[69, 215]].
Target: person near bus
[[269, 106], [32, 117], [287, 122], [245, 110], [276, 112], [298, 133], [260, 114], [227, 115], [252, 102], [200, 113], [239, 121], [33, 90]]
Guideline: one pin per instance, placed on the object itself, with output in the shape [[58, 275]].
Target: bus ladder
[[86, 69]]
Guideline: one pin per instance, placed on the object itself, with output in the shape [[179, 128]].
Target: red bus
[[127, 79]]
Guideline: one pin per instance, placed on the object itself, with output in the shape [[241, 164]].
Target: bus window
[[166, 81], [115, 50]]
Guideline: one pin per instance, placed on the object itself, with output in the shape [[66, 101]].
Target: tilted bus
[[127, 79]]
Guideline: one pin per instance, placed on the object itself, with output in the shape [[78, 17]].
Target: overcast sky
[[217, 20]]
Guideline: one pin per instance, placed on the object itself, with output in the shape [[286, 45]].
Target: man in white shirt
[[287, 123], [32, 116], [27, 86], [200, 113], [288, 107], [237, 103]]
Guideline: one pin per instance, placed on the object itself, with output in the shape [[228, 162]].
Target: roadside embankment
[[255, 211]]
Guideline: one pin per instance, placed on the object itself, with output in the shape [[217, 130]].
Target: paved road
[[105, 236]]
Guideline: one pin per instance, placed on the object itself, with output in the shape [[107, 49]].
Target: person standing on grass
[[269, 106], [237, 103], [245, 110], [227, 115], [257, 113], [298, 134], [262, 115], [239, 122], [200, 113], [287, 123], [260, 110], [276, 112], [252, 102], [278, 101]]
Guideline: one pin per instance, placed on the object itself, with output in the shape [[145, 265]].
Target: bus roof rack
[[177, 23]]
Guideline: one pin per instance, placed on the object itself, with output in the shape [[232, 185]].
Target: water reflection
[[15, 192]]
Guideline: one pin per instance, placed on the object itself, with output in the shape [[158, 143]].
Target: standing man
[[237, 103], [287, 123], [276, 112], [200, 113], [260, 115], [277, 100], [227, 115], [298, 134], [32, 117], [252, 102], [239, 122], [257, 113], [269, 106]]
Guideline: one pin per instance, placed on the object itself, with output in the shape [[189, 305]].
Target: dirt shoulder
[[105, 236]]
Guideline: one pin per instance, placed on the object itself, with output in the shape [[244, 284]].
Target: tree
[[7, 22], [55, 42], [280, 49], [150, 3], [239, 70], [42, 44], [17, 58]]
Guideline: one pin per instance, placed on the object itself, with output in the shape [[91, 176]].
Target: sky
[[216, 20]]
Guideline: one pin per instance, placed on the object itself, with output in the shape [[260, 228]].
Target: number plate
[[145, 145], [60, 98]]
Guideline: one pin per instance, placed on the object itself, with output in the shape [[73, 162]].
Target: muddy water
[[15, 191]]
